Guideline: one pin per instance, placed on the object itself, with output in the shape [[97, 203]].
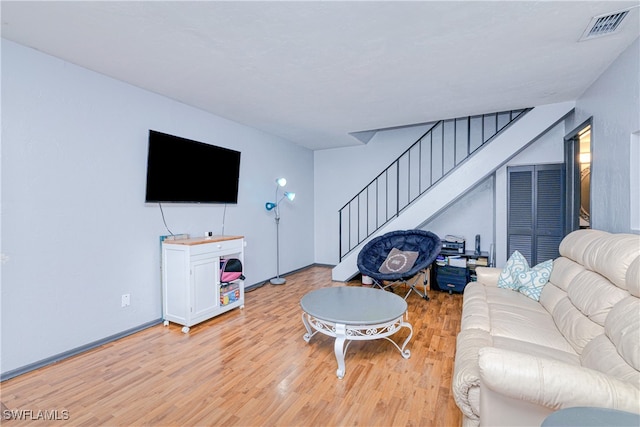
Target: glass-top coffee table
[[351, 313]]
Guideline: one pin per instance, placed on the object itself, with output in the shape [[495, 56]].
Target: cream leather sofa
[[518, 360]]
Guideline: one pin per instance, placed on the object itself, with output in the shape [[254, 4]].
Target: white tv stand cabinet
[[191, 290]]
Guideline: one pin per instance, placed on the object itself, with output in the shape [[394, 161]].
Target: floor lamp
[[275, 207]]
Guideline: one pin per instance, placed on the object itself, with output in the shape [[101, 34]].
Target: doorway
[[578, 172]]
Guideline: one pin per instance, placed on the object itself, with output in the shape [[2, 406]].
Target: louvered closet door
[[520, 216], [535, 223], [550, 211]]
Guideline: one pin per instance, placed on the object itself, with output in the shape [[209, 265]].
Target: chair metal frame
[[390, 285]]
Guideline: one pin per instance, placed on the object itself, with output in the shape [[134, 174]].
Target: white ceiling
[[315, 71]]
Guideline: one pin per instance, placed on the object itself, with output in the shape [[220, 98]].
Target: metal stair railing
[[437, 153]]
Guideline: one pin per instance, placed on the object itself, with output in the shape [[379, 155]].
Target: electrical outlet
[[126, 300]]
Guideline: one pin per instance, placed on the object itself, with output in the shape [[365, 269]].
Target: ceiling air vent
[[603, 25]]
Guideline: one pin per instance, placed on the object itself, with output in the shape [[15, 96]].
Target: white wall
[[76, 232], [614, 103], [470, 215], [340, 173]]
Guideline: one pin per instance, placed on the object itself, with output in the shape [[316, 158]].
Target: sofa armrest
[[488, 275], [553, 384], [466, 374]]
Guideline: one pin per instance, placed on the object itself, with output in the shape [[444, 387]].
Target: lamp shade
[[281, 182], [290, 195], [270, 205]]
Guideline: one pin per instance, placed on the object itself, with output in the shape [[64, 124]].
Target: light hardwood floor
[[251, 367]]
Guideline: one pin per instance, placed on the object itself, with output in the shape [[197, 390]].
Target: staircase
[[445, 163]]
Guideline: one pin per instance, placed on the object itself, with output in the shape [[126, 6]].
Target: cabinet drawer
[[446, 278], [447, 285], [224, 247]]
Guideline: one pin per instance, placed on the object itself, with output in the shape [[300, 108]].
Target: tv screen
[[180, 170]]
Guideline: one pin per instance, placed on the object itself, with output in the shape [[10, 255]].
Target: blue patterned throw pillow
[[532, 281], [516, 275], [516, 264]]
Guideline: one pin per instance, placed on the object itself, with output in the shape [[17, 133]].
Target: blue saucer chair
[[387, 259]]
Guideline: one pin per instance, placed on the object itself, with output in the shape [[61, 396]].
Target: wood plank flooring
[[251, 367]]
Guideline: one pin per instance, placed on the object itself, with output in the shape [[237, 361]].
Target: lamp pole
[[276, 210], [278, 280]]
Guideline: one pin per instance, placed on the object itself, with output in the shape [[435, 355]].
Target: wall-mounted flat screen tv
[[180, 170]]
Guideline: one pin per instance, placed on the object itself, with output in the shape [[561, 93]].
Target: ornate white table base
[[345, 333]]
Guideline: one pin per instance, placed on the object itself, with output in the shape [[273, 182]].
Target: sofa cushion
[[576, 328], [513, 315], [551, 296], [601, 355], [574, 245], [594, 295], [633, 277], [623, 329], [581, 315], [526, 347], [611, 256], [534, 326], [564, 271]]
